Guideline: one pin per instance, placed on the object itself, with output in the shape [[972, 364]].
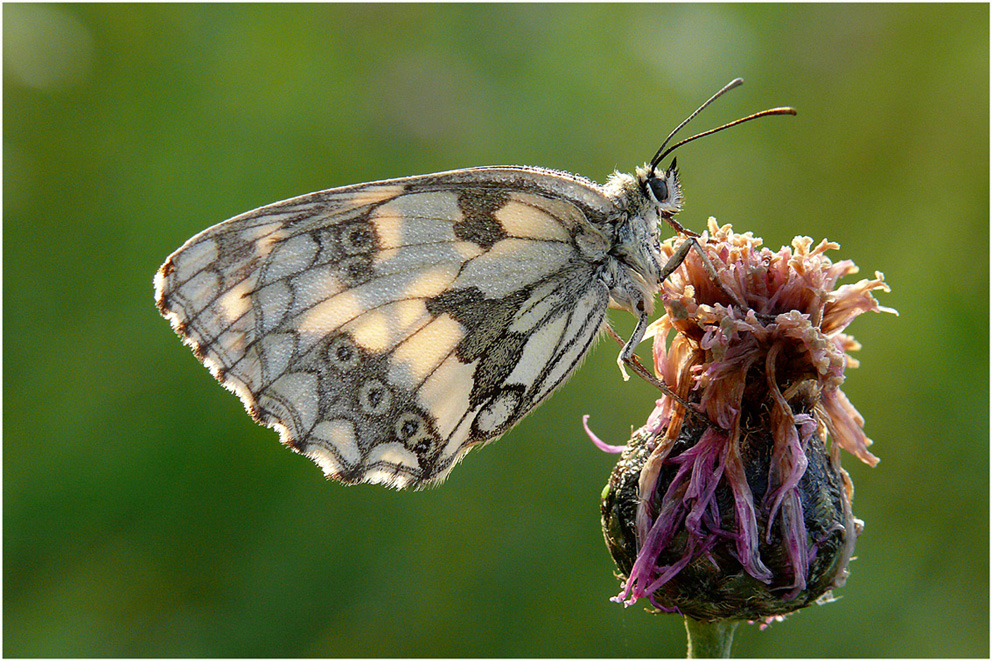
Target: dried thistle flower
[[744, 511]]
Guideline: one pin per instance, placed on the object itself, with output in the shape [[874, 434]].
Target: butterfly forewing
[[386, 328]]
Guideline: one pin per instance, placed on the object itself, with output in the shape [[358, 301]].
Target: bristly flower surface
[[749, 516]]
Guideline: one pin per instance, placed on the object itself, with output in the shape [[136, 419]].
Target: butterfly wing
[[384, 329]]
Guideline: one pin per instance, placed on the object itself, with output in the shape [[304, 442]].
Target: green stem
[[710, 640]]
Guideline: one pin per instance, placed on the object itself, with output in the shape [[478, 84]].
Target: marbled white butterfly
[[386, 328]]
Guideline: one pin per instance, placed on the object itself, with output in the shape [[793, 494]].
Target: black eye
[[659, 187]]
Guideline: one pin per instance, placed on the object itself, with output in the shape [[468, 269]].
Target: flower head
[[741, 509]]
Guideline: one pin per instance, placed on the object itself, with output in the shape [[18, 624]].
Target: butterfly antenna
[[736, 82], [763, 113]]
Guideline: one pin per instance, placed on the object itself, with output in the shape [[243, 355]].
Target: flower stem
[[710, 640]]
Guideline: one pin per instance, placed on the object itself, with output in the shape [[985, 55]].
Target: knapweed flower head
[[740, 509]]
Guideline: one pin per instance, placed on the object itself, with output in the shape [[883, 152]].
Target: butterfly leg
[[679, 256], [711, 272], [675, 261], [641, 371], [627, 354]]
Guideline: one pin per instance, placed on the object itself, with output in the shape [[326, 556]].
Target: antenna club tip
[[784, 110]]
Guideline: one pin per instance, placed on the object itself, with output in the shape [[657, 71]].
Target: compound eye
[[659, 187]]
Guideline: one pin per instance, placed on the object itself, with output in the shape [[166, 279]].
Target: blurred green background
[[145, 514]]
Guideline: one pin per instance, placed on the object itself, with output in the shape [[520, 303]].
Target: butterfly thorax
[[634, 267]]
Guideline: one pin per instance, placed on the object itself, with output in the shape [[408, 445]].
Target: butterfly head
[[662, 189]]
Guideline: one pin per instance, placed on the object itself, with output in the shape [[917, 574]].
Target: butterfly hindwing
[[384, 329]]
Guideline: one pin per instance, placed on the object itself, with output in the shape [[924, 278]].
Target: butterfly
[[384, 329]]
